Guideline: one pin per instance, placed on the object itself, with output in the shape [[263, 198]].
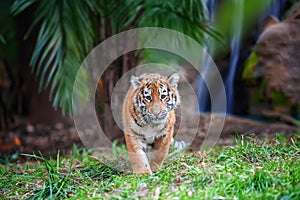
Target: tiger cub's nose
[[155, 110], [156, 113]]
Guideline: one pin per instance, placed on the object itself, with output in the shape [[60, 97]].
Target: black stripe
[[151, 144], [165, 126], [134, 109], [144, 149], [136, 100], [135, 119], [138, 134], [144, 145]]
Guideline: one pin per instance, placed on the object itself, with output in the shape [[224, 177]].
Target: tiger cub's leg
[[137, 155], [160, 151]]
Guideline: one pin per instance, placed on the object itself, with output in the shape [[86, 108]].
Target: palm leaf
[[19, 6], [2, 40], [66, 34], [188, 17]]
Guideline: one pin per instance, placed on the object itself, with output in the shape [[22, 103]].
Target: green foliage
[[66, 34], [279, 99], [226, 18], [248, 72], [8, 41], [252, 169], [55, 184], [294, 1], [187, 17], [2, 40], [68, 30]]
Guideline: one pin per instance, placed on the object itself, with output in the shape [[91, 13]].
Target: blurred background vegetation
[[42, 44]]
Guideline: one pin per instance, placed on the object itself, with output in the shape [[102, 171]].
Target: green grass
[[253, 169]]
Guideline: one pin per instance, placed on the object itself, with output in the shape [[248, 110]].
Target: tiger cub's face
[[155, 95]]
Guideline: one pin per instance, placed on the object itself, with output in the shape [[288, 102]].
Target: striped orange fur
[[149, 118]]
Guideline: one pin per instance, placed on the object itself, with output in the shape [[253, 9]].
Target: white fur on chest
[[149, 132]]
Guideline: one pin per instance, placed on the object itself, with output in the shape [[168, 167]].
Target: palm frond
[[21, 5], [188, 17], [66, 34]]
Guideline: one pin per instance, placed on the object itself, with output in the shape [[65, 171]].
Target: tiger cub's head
[[155, 95]]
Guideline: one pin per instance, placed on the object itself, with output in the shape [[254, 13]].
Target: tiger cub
[[149, 118]]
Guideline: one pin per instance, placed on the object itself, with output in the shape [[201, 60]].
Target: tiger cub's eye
[[148, 98], [163, 96]]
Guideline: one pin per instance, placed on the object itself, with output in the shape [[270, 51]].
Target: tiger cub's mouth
[[156, 119], [161, 116]]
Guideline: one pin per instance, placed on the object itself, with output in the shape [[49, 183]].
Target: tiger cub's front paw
[[140, 165], [143, 172]]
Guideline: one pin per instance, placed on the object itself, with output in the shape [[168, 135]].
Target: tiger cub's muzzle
[[157, 113]]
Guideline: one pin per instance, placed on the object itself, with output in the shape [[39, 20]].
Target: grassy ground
[[253, 169]]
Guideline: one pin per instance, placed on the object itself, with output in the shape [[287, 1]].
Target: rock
[[278, 56]]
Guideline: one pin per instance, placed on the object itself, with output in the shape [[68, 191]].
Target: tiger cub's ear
[[173, 79], [135, 82]]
